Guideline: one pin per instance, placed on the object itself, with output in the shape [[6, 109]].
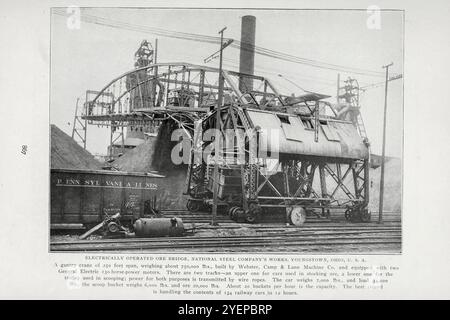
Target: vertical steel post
[[155, 73], [316, 122], [216, 162], [122, 146], [110, 155], [75, 118], [201, 88], [167, 86], [85, 105], [85, 133], [265, 91], [380, 208], [323, 181]]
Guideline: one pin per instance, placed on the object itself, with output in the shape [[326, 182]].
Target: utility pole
[[216, 141], [338, 88], [380, 208]]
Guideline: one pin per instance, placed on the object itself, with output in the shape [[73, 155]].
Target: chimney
[[247, 54]]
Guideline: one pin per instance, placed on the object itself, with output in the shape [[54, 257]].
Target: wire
[[216, 40], [379, 84], [312, 63], [260, 69]]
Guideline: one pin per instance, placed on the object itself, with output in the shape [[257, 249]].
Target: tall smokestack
[[247, 54]]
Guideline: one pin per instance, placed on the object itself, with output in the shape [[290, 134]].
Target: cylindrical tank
[[158, 227], [247, 53]]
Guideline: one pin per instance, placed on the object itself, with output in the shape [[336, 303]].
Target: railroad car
[[86, 197]]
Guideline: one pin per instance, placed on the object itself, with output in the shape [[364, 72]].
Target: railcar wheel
[[250, 217], [297, 216], [253, 213], [206, 206], [347, 214], [355, 215], [232, 214], [238, 214], [365, 215], [193, 205], [288, 214]]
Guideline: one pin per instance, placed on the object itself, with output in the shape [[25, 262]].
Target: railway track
[[278, 226], [293, 238], [205, 217]]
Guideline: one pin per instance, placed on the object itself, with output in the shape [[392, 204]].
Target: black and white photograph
[[226, 130], [232, 158]]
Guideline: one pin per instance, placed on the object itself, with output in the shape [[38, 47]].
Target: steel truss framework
[[296, 180], [79, 128], [149, 95], [185, 93], [174, 85], [349, 95]]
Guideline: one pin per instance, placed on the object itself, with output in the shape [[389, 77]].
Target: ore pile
[[66, 153], [138, 159], [154, 155], [164, 145]]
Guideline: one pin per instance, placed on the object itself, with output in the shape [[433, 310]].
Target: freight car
[[86, 197]]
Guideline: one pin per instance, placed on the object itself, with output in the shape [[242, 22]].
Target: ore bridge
[[321, 148]]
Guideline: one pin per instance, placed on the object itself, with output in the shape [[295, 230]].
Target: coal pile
[[138, 159], [66, 153]]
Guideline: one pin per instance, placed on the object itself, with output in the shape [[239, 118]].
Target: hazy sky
[[89, 57]]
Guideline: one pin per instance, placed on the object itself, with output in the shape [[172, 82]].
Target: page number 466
[[24, 149]]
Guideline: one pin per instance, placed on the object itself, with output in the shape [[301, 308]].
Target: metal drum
[[158, 227]]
